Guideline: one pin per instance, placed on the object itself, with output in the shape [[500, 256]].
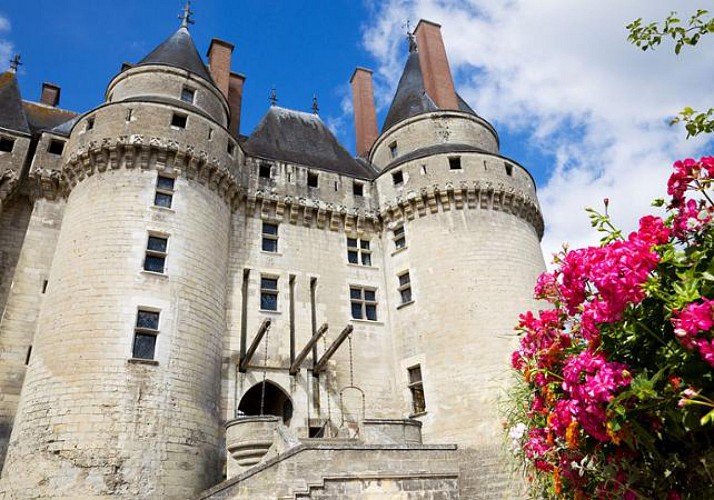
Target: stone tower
[[121, 396]]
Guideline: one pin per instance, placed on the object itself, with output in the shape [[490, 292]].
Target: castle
[[188, 312]]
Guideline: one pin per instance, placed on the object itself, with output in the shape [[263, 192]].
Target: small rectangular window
[[231, 148], [416, 387], [145, 332], [358, 252], [455, 163], [358, 189], [268, 293], [188, 95], [6, 144], [509, 169], [363, 302], [56, 147], [179, 120], [405, 287], [400, 239], [311, 180], [264, 171], [398, 178], [393, 151], [269, 237], [164, 191], [155, 259], [90, 124], [129, 114]]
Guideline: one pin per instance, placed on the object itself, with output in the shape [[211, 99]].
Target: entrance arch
[[276, 402]]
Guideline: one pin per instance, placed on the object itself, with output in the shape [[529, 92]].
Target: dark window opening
[[210, 134], [264, 171], [311, 180], [179, 120], [27, 356], [44, 286], [416, 387], [509, 169], [6, 144], [400, 239], [398, 178], [268, 294], [129, 113], [155, 260], [90, 123], [405, 288], [363, 303], [393, 151], [358, 252], [269, 237], [231, 148], [56, 147], [455, 163], [188, 95], [274, 402], [358, 189], [164, 191], [145, 332]]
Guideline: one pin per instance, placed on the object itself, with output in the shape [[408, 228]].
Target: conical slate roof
[[297, 137], [12, 115], [178, 51], [411, 98]]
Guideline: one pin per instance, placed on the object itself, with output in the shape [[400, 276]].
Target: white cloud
[[6, 47], [563, 74], [4, 24]]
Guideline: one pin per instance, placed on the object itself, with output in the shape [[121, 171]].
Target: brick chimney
[[365, 115], [235, 98], [435, 66], [219, 62], [50, 94]]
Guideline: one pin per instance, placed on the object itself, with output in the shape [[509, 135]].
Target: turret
[[121, 396]]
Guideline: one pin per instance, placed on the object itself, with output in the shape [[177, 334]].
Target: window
[[393, 151], [90, 124], [509, 169], [145, 332], [230, 148], [398, 178], [358, 189], [311, 180], [129, 114], [270, 237], [405, 287], [188, 95], [358, 252], [363, 302], [164, 191], [6, 144], [416, 387], [155, 260], [264, 171], [400, 239], [455, 163], [210, 134], [268, 293], [179, 121], [56, 147]]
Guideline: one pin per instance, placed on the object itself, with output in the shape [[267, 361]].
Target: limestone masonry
[[188, 312]]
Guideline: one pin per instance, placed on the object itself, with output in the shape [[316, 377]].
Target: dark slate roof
[[411, 98], [66, 127], [464, 106], [12, 116], [178, 51], [43, 117], [297, 137]]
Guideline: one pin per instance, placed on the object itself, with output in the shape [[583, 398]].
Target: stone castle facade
[[188, 312]]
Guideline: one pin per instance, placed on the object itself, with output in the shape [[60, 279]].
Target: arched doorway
[[276, 402]]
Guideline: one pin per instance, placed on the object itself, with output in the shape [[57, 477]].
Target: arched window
[[275, 402]]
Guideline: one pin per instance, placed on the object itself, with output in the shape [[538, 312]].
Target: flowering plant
[[615, 390]]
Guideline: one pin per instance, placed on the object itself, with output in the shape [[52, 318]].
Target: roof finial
[[273, 97], [186, 15], [315, 109], [15, 63], [410, 37]]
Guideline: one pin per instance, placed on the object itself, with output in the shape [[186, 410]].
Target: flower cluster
[[606, 368]]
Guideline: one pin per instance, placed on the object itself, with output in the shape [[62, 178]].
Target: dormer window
[[188, 95]]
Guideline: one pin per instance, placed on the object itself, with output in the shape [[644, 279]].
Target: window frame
[[364, 303], [416, 389], [156, 254], [404, 287], [361, 250], [399, 237], [266, 237], [164, 191], [185, 90], [269, 291], [145, 332]]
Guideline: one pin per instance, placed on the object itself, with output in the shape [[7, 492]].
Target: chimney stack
[[219, 62], [50, 94], [365, 114], [235, 98], [435, 66]]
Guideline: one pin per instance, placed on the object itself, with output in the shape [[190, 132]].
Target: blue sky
[[584, 111]]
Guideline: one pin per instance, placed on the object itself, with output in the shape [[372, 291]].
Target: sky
[[583, 110]]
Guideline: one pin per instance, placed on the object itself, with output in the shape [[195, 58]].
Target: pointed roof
[[411, 98], [303, 138], [12, 115], [179, 51]]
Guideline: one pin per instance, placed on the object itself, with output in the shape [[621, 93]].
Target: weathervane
[[315, 109], [273, 97], [15, 63], [186, 15]]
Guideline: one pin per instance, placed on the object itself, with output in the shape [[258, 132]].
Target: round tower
[[462, 228], [122, 394]]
